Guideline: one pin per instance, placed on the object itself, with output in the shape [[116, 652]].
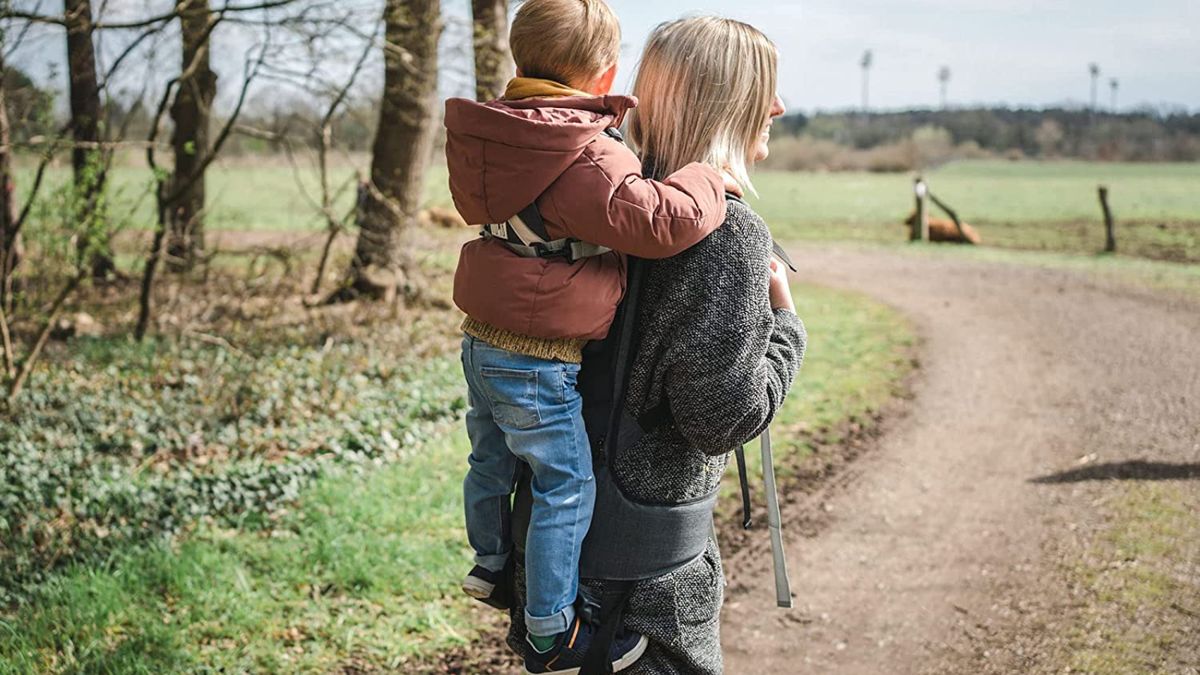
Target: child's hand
[[731, 185], [780, 290]]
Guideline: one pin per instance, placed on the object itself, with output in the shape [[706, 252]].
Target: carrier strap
[[531, 217], [744, 484], [782, 255], [527, 236], [598, 661], [783, 590], [571, 249]]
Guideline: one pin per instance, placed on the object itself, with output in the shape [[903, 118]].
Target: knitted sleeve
[[729, 373]]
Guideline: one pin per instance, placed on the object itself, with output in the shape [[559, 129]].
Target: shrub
[[927, 147]]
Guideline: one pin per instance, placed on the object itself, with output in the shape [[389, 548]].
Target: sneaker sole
[[632, 655], [620, 664], [478, 588]]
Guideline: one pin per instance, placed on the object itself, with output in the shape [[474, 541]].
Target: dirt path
[[936, 535]]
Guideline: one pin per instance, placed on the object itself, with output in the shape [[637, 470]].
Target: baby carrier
[[526, 234], [629, 540]]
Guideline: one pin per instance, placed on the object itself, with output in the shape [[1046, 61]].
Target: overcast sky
[[1013, 52], [1030, 53]]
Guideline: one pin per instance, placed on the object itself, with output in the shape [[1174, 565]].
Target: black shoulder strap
[[598, 659], [782, 255], [623, 358], [532, 217]]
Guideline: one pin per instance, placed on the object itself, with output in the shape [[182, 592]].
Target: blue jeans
[[527, 409]]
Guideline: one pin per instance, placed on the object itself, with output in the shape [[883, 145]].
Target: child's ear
[[604, 84]]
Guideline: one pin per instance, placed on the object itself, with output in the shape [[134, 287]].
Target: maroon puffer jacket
[[505, 155]]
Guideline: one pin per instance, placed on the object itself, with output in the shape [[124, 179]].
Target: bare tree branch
[[165, 199], [14, 45], [34, 17], [6, 343], [27, 366]]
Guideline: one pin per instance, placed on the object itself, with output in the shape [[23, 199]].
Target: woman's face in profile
[[761, 150]]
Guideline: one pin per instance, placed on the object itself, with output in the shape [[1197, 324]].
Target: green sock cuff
[[542, 643]]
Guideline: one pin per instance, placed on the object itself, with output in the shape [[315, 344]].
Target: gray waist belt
[[629, 541]]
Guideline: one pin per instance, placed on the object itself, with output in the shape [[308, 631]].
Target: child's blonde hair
[[705, 86], [569, 41]]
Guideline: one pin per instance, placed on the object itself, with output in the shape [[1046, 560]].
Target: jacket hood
[[504, 154]]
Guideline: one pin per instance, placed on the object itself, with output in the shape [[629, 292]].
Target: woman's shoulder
[[743, 227]]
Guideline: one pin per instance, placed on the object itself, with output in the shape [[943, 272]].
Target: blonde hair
[[705, 86], [568, 41]]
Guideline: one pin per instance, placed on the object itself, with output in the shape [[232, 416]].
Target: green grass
[[269, 197], [364, 569], [858, 354], [1022, 205], [869, 206], [984, 192], [1140, 585]]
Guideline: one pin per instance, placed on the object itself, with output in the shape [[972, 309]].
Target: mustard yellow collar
[[533, 87]]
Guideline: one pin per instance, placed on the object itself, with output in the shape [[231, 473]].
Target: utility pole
[[944, 80], [1113, 85], [867, 59], [1094, 69]]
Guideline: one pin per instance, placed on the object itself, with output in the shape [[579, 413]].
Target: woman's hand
[[781, 291]]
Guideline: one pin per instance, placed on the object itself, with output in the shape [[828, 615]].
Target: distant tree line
[[1145, 136]]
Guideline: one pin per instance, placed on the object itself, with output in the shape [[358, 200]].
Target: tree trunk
[[493, 60], [191, 112], [402, 148], [10, 239], [85, 126]]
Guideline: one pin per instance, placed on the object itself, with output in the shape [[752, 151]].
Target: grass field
[[363, 572], [1137, 584], [1023, 205]]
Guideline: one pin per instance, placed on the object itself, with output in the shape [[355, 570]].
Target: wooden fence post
[[1110, 240], [920, 226]]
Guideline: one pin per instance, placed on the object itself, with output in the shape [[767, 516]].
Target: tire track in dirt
[[935, 535]]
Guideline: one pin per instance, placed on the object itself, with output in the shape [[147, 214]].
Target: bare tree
[[334, 224], [1113, 85], [191, 112], [85, 127], [944, 81], [170, 188], [1094, 71], [402, 148], [9, 235], [493, 59]]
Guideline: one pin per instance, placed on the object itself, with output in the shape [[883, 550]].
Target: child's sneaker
[[487, 587], [566, 656]]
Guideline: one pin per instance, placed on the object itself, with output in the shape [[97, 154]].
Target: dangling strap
[[598, 661], [744, 483], [783, 589]]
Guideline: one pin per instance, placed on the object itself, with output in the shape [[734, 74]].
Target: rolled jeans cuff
[[492, 563], [550, 625]]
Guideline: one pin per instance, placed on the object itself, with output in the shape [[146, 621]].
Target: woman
[[719, 342]]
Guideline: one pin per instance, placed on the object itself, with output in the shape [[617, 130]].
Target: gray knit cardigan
[[711, 347]]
